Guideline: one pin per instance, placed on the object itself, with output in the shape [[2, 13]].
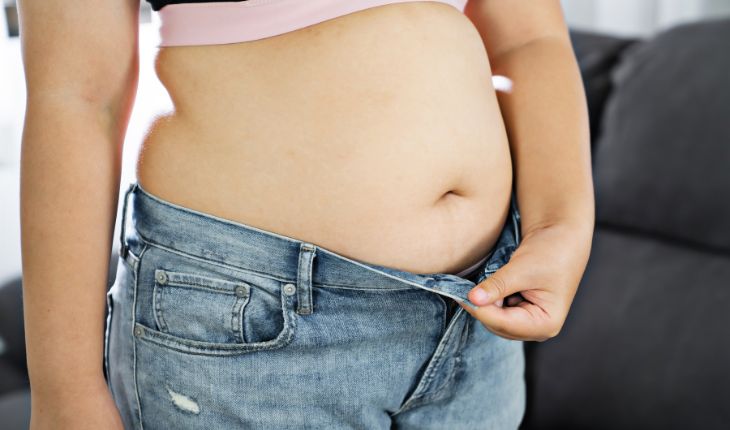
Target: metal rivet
[[241, 291], [161, 277], [138, 331], [290, 289]]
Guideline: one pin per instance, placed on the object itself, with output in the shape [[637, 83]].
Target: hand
[[529, 297], [94, 410]]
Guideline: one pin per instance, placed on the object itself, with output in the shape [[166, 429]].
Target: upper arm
[[506, 24], [84, 51]]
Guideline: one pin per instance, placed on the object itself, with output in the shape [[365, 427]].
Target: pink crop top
[[217, 22], [206, 22]]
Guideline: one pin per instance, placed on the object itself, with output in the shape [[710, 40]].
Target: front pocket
[[197, 307], [198, 312]]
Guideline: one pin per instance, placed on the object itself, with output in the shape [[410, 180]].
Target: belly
[[376, 135]]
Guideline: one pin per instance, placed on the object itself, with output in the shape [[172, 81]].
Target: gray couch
[[646, 344]]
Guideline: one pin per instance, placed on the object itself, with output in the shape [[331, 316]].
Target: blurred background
[[646, 343]]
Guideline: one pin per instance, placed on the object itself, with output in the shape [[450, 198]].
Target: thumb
[[495, 288]]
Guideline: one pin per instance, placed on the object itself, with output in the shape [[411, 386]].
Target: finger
[[466, 304], [525, 320], [470, 310], [507, 280]]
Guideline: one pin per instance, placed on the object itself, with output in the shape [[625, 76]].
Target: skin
[[66, 236], [81, 71], [547, 122], [410, 149]]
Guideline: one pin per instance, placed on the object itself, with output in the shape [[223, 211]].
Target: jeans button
[[161, 277], [290, 289]]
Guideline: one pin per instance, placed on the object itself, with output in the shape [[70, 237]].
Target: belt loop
[[304, 278], [123, 248]]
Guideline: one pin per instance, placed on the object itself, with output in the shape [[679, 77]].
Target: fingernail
[[481, 296]]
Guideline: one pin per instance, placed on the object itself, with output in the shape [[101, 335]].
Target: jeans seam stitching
[[237, 316], [214, 262], [181, 345], [421, 390], [134, 318], [157, 306], [357, 288]]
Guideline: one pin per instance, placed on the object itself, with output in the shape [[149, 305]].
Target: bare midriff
[[376, 135]]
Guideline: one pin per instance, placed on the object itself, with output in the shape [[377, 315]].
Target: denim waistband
[[239, 246]]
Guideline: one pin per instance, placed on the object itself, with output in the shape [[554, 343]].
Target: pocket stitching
[[196, 347], [199, 282], [157, 306], [237, 315]]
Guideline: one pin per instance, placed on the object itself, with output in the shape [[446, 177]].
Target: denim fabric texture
[[214, 324]]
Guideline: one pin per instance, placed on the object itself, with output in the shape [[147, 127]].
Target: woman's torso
[[347, 134]]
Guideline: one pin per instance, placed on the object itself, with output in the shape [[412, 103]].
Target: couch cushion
[[12, 332], [15, 410], [662, 163], [644, 345], [597, 55], [11, 378]]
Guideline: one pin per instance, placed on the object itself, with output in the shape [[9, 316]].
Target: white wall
[[639, 17]]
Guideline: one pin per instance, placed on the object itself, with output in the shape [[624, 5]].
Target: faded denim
[[215, 324]]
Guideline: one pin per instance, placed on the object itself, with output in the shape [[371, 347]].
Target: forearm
[[70, 172], [547, 123]]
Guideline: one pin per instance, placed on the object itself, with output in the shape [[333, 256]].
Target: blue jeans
[[215, 324]]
